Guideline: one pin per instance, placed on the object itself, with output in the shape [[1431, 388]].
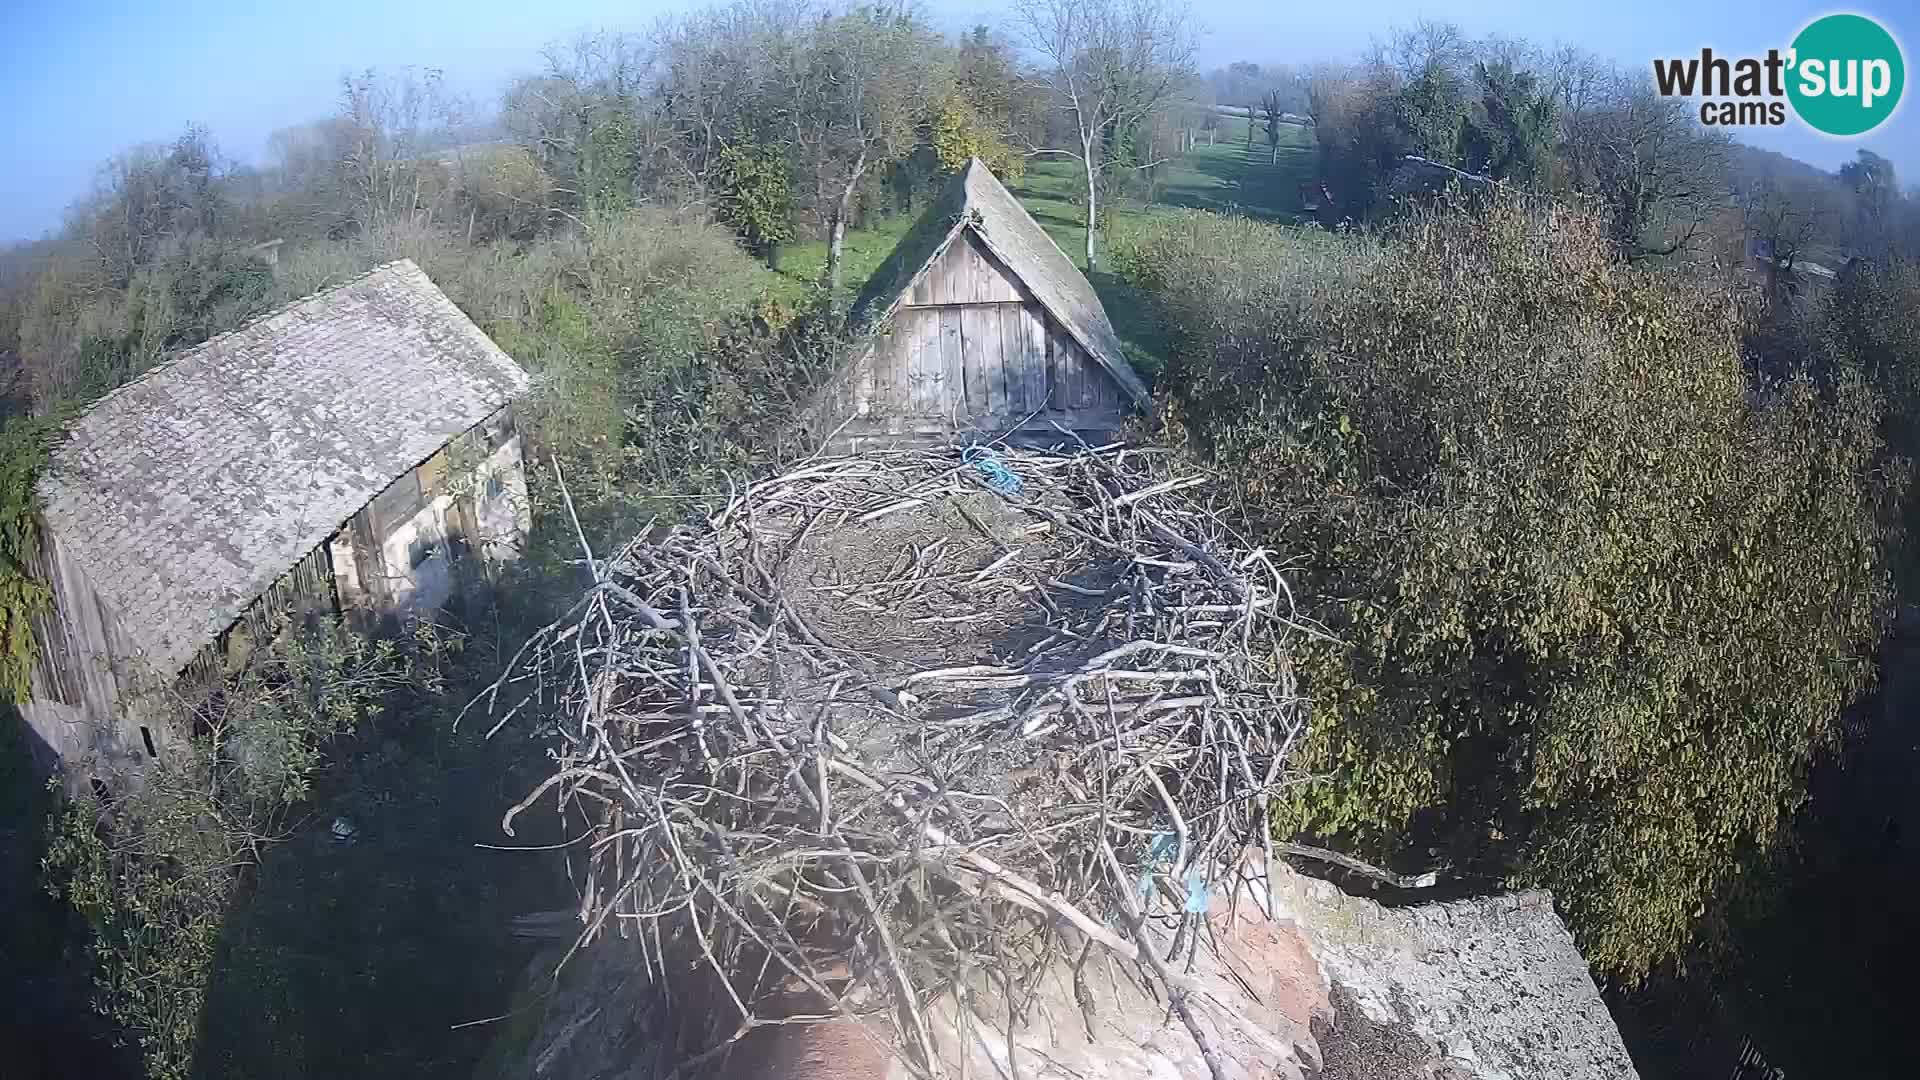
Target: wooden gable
[[967, 273], [970, 348]]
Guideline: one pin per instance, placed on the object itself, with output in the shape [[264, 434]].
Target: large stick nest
[[875, 729]]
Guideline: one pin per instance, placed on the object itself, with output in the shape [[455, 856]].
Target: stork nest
[[875, 729]]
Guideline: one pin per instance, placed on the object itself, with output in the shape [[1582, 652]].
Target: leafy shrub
[[959, 133], [1870, 325], [82, 335], [1597, 605], [1869, 328], [755, 194], [153, 869], [23, 451]]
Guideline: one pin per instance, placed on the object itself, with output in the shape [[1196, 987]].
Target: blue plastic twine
[[993, 471]]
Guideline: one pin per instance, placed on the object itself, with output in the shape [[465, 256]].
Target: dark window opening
[[420, 551], [495, 488], [497, 430], [397, 505], [147, 737]]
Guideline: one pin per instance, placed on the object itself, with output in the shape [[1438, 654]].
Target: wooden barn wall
[[306, 589], [970, 348], [80, 675], [967, 273]]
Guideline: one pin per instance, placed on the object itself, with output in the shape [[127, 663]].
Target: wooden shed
[[342, 454], [980, 326]]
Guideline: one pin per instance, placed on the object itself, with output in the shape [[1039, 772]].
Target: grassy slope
[[1226, 177], [802, 265], [1223, 177]]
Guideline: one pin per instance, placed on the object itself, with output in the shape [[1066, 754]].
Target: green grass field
[[802, 265], [1225, 177]]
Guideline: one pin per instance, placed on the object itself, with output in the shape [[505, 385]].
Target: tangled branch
[[874, 729]]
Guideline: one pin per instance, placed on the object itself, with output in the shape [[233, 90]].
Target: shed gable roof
[[975, 199], [186, 493]]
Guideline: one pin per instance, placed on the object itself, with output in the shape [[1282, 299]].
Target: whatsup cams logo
[[1842, 76]]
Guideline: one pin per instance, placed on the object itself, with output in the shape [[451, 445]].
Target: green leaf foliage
[[1598, 602], [23, 451], [154, 869], [755, 195]]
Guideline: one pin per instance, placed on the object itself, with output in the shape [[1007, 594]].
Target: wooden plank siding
[[80, 639], [966, 273], [304, 590], [970, 349]]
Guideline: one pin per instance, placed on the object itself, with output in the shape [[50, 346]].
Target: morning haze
[[87, 79]]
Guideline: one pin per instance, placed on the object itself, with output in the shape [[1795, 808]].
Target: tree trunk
[[836, 243], [837, 237], [1092, 205]]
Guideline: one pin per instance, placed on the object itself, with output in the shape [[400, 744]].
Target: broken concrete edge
[[1495, 986], [1329, 987]]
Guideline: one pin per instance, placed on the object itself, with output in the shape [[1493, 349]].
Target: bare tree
[[1271, 109], [581, 119], [1782, 216], [1662, 178], [1107, 64], [856, 93], [1876, 203], [145, 198], [387, 121], [724, 82], [1424, 50]]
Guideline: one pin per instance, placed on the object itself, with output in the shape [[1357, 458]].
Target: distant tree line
[[1603, 591], [1563, 122]]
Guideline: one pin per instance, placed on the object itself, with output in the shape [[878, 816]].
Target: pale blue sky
[[81, 79]]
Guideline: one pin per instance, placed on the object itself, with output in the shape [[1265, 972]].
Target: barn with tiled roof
[[340, 454]]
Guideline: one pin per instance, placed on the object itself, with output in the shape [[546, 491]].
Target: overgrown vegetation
[[1603, 591], [23, 451], [1602, 604], [153, 868]]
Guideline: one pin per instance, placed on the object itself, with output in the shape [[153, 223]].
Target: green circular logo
[[1846, 74]]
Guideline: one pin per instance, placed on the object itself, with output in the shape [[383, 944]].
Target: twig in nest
[[768, 784]]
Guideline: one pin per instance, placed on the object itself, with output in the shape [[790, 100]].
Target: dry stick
[[1177, 989], [903, 989], [1028, 892], [578, 533], [1348, 862], [1173, 811]]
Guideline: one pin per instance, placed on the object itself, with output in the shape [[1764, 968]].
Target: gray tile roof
[[187, 492], [976, 199]]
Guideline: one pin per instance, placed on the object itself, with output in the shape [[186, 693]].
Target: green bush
[[659, 365], [23, 452], [1870, 326], [1598, 605], [153, 868]]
